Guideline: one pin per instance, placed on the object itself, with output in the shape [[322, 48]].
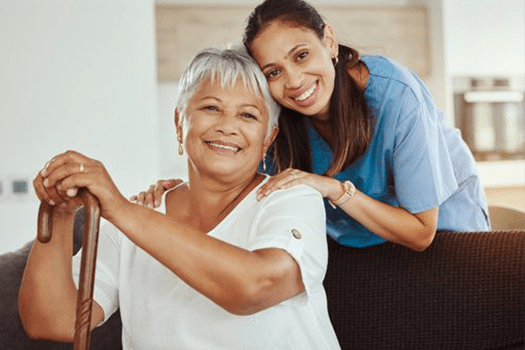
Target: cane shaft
[[87, 263]]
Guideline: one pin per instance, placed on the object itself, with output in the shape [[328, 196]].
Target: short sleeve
[[422, 166], [294, 220], [105, 291]]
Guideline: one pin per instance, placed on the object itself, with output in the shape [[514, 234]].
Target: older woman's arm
[[240, 281], [47, 296]]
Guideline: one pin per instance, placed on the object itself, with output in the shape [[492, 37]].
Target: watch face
[[349, 187]]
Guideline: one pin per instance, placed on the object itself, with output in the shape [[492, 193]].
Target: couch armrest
[[12, 335]]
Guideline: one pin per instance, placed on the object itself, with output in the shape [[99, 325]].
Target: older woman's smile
[[223, 147]]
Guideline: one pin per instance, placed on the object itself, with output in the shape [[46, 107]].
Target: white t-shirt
[[160, 311]]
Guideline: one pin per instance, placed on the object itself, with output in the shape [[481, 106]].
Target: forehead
[[234, 92], [280, 37]]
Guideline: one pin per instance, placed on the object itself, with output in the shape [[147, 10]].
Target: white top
[[159, 311]]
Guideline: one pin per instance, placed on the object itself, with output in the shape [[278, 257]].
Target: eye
[[211, 108], [272, 74], [248, 116], [301, 56]]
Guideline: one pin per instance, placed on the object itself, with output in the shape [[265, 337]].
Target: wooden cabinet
[[399, 32]]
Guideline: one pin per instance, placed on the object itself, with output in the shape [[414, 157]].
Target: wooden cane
[[87, 262]]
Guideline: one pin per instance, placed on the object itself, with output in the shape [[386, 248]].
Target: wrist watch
[[349, 191]]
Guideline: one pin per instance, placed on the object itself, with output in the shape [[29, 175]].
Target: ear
[[330, 40], [270, 139]]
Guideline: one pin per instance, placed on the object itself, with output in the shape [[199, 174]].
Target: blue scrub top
[[415, 160]]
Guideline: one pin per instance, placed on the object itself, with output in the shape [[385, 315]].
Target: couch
[[466, 291]]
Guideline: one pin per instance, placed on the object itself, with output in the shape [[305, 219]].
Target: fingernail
[[139, 202], [51, 202], [71, 192], [43, 172], [149, 205], [46, 182], [157, 203]]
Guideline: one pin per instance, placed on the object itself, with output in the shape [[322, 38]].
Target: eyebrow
[[243, 105], [251, 105], [285, 56]]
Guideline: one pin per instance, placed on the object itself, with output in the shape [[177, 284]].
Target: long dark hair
[[350, 117]]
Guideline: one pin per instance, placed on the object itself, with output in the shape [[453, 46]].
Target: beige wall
[[511, 195]]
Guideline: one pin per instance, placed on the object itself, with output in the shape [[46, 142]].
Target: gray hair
[[227, 65]]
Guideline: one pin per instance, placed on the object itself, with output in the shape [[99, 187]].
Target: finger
[[62, 170], [161, 187], [148, 197], [169, 184], [140, 198], [60, 159], [40, 190], [72, 192], [70, 185], [283, 180]]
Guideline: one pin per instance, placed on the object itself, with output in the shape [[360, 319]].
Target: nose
[[227, 123], [294, 78]]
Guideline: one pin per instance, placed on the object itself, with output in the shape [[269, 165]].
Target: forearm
[[236, 279], [47, 297], [415, 231]]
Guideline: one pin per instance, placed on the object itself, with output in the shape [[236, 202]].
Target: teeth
[[306, 94], [229, 148]]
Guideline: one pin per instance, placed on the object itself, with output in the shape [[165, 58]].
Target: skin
[[295, 60], [240, 281]]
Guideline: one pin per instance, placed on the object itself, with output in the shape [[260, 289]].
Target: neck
[[324, 129], [210, 201]]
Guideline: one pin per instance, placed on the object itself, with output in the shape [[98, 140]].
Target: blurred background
[[101, 77]]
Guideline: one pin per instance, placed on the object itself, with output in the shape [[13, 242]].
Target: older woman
[[214, 268]]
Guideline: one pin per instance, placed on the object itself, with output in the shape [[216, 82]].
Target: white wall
[[75, 75], [484, 37]]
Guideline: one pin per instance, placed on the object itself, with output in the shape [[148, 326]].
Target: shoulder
[[384, 67], [295, 193], [175, 200], [393, 86], [296, 200]]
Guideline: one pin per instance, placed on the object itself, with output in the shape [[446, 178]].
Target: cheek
[[276, 90], [257, 138]]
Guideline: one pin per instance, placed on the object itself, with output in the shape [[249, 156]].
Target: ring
[[81, 167], [294, 175]]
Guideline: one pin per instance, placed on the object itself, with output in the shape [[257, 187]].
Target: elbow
[[38, 327], [243, 304], [245, 299], [423, 241], [36, 331]]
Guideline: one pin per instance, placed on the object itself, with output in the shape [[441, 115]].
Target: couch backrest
[[466, 291]]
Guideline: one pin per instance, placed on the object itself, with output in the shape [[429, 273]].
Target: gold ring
[[81, 167]]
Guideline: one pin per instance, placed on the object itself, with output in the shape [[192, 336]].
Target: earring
[[181, 149], [335, 60], [264, 164], [179, 139]]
